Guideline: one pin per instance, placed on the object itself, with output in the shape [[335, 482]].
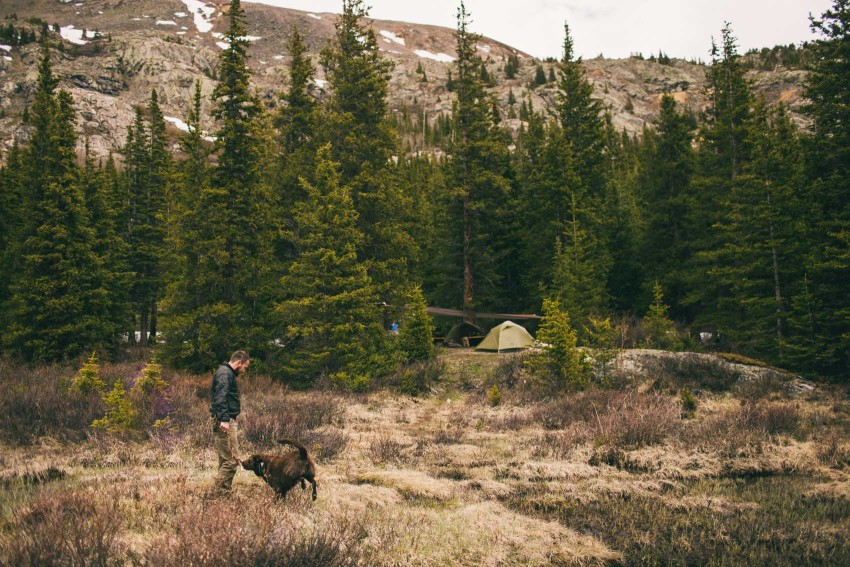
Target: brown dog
[[282, 472]]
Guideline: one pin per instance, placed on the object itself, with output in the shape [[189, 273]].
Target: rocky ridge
[[169, 44]]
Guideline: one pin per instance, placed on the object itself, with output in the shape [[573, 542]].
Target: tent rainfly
[[507, 336]]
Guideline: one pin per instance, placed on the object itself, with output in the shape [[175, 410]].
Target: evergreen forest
[[299, 229]]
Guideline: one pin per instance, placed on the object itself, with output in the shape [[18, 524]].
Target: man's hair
[[240, 356]]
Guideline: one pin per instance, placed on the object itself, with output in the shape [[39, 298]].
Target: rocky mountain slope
[[116, 51]]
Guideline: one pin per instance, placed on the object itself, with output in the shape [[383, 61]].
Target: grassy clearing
[[604, 477]]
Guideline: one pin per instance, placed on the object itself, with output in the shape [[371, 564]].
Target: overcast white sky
[[615, 28]]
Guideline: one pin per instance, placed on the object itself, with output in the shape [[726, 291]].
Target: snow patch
[[7, 58], [390, 36], [222, 44], [181, 14], [6, 47], [70, 33], [314, 16], [321, 83], [180, 125], [441, 57], [202, 13], [180, 33], [483, 47], [217, 35], [166, 23], [278, 57], [177, 122]]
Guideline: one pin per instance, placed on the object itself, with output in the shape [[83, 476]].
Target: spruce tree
[[331, 319], [668, 200], [415, 337], [228, 305], [824, 316], [478, 179], [57, 305], [582, 119], [363, 143], [724, 151], [296, 122], [760, 258]]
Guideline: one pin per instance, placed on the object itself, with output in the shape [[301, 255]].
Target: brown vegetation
[[749, 476]]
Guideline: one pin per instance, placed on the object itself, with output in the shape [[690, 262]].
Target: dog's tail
[[302, 450]]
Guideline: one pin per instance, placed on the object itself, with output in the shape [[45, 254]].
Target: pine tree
[[363, 143], [415, 337], [57, 305], [332, 322], [760, 258], [824, 317], [228, 305], [560, 363], [667, 169], [477, 176]]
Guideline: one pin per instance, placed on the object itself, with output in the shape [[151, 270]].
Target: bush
[[385, 449], [634, 420], [77, 528], [833, 450], [416, 378], [271, 413], [693, 371], [213, 533], [40, 401]]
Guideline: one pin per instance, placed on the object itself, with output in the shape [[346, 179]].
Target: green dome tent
[[507, 336]]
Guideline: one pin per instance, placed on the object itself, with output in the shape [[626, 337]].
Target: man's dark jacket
[[225, 394]]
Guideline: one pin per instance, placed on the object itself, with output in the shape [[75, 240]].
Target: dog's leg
[[303, 484], [315, 484]]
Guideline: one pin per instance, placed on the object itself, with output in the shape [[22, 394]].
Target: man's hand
[[225, 425]]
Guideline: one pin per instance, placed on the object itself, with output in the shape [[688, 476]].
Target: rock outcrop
[[167, 45]]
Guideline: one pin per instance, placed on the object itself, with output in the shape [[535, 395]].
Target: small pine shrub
[[689, 403], [661, 332], [120, 415], [494, 396], [88, 380], [560, 360]]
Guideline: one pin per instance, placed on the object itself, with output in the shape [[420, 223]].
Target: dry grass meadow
[[680, 464]]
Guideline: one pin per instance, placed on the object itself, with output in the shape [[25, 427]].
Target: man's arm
[[221, 385]]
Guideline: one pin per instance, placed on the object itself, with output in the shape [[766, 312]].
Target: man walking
[[224, 410]]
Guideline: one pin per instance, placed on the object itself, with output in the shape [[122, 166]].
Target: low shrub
[[213, 533], [632, 419], [560, 444], [74, 528], [270, 413], [386, 449], [41, 402], [416, 378], [694, 371], [833, 450]]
